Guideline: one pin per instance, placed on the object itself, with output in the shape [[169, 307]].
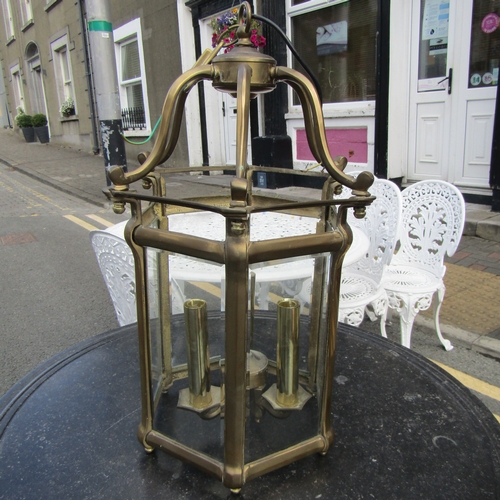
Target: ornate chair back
[[432, 225]]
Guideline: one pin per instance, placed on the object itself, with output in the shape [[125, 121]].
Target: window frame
[[17, 86], [26, 10], [8, 21], [123, 35], [330, 110], [61, 64]]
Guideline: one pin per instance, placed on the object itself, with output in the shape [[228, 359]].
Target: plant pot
[[29, 134], [42, 133]]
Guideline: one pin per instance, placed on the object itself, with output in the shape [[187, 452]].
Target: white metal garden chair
[[432, 225], [361, 287], [117, 267]]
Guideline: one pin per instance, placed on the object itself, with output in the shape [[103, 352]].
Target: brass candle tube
[[287, 353], [287, 394], [199, 396]]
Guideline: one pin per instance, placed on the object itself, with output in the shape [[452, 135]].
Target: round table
[[404, 429]]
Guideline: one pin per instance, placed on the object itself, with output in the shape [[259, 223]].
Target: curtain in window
[[131, 67]]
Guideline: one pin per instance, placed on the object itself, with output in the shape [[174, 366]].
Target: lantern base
[[207, 412], [271, 395], [404, 428]]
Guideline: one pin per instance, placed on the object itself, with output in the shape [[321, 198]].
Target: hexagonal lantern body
[[237, 298]]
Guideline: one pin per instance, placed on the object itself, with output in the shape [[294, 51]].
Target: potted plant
[[25, 123], [67, 107], [41, 127]]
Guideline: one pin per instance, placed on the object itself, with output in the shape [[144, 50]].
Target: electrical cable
[[293, 51], [146, 140]]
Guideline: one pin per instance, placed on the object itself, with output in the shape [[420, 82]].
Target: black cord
[[293, 51]]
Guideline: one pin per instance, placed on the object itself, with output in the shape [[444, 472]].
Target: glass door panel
[[485, 44], [433, 45]]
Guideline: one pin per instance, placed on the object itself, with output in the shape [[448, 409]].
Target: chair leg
[[407, 316], [379, 310], [383, 319], [438, 302], [352, 317], [408, 307]]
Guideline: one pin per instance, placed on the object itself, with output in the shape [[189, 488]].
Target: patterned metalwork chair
[[117, 267], [361, 288], [432, 225]]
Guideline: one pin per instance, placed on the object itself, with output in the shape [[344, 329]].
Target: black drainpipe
[[88, 75]]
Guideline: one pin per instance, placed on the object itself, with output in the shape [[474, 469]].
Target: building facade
[[408, 86]]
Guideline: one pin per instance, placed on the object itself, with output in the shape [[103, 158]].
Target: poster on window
[[436, 19], [332, 38]]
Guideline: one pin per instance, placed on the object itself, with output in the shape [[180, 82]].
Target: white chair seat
[[356, 293], [356, 288], [404, 278]]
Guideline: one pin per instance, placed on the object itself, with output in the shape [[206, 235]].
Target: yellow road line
[[81, 223], [208, 287], [102, 221], [496, 416], [473, 383]]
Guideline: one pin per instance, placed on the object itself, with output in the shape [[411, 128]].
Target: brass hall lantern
[[237, 298]]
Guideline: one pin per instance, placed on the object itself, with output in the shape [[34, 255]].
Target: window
[[62, 69], [131, 78], [337, 39], [26, 12], [8, 20], [484, 59], [17, 86], [35, 79]]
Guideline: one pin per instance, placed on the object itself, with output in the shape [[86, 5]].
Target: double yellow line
[[86, 225]]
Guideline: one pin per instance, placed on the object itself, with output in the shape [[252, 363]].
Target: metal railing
[[133, 118]]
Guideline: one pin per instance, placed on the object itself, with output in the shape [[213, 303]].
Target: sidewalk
[[470, 312]]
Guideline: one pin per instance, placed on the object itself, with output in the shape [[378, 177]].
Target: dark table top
[[404, 429]]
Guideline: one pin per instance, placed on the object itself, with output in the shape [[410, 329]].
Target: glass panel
[[134, 96], [433, 48], [339, 45], [152, 270], [189, 411], [485, 44], [285, 331], [131, 67]]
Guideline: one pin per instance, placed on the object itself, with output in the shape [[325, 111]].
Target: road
[[53, 294]]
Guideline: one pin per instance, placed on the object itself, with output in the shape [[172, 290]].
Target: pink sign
[[490, 23], [349, 142]]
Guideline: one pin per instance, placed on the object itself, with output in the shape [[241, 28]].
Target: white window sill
[[137, 133], [28, 24], [346, 110], [51, 4]]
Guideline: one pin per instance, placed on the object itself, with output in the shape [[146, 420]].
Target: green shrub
[[24, 121], [39, 120]]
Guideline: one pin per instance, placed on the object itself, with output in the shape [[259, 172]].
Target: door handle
[[449, 78]]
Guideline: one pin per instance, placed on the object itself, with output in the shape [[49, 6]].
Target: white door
[[229, 117], [455, 59], [221, 115]]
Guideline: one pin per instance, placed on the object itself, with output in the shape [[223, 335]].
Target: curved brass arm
[[315, 130], [170, 126]]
